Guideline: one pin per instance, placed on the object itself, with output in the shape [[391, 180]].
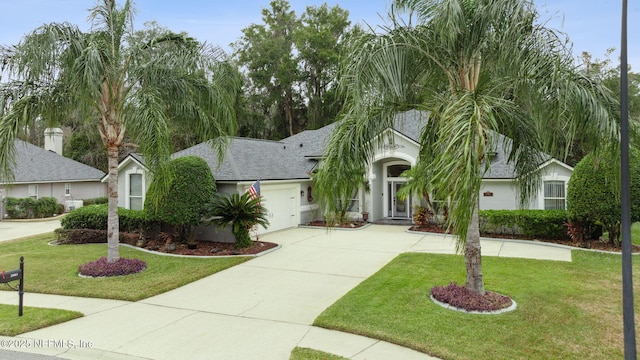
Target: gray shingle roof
[[296, 156], [252, 159], [37, 165]]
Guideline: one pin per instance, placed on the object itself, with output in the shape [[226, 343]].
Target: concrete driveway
[[260, 309], [14, 229]]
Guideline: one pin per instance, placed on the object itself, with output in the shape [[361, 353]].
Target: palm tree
[[480, 68], [120, 81], [240, 211]]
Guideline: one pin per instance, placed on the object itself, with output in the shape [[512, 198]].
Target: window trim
[[137, 171], [32, 191], [557, 182]]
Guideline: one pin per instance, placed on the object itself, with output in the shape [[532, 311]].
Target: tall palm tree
[[480, 68], [119, 80]]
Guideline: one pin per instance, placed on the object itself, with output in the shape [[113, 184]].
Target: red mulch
[[210, 248], [587, 244]]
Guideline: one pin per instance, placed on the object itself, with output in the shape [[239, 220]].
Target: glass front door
[[397, 208]]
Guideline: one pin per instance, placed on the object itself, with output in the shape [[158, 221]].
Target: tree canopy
[[479, 68], [119, 81]]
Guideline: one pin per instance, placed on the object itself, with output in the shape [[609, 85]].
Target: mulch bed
[[210, 248], [594, 244], [349, 225]]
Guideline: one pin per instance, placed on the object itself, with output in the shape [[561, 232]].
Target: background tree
[[121, 84], [190, 188], [291, 68], [240, 211], [318, 41], [480, 67], [267, 53]]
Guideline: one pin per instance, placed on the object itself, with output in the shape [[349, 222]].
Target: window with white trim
[[135, 192], [554, 195], [67, 189], [33, 191]]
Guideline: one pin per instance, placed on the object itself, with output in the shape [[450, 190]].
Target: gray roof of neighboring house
[[37, 165], [295, 157]]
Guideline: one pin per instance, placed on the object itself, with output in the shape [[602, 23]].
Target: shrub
[[91, 236], [190, 186], [421, 215], [548, 224], [95, 201], [102, 267], [593, 193], [46, 207], [95, 217], [28, 208], [241, 212]]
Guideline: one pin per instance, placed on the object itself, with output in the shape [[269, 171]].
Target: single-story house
[[45, 172], [285, 168]]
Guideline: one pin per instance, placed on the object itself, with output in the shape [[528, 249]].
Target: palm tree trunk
[[113, 226], [472, 255]]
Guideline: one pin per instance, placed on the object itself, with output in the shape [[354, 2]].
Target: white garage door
[[282, 203]]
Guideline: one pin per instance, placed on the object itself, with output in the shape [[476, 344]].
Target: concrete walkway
[[260, 309]]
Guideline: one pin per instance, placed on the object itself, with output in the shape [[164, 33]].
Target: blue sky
[[592, 25]]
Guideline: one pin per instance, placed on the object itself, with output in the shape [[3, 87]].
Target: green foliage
[[190, 186], [95, 217], [421, 215], [593, 193], [46, 207], [95, 201], [28, 208], [241, 212], [122, 84], [292, 63], [548, 224]]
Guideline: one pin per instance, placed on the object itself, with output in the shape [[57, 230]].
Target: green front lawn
[[32, 319], [299, 353], [54, 269], [565, 310]]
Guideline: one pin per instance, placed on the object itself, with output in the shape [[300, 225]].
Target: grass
[[565, 310], [300, 353], [32, 319], [635, 233], [54, 269]]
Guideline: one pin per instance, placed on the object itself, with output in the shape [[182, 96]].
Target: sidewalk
[[260, 309]]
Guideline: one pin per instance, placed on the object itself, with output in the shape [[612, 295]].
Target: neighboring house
[[41, 173], [285, 168]]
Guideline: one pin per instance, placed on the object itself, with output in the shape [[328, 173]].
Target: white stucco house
[[285, 168], [44, 172]]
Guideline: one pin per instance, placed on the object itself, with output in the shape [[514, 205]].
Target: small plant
[[575, 231], [241, 212], [103, 268], [461, 298], [421, 215]]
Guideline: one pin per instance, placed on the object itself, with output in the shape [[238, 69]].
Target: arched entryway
[[396, 208]]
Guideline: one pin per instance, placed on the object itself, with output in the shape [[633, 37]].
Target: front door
[[397, 208]]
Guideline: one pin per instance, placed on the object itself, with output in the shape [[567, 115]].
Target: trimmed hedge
[[548, 224], [95, 201], [91, 236], [95, 217], [28, 208]]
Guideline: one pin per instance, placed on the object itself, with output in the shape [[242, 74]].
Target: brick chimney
[[53, 140]]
